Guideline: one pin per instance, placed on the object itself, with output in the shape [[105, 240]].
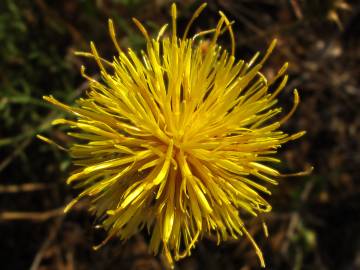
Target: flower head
[[177, 139]]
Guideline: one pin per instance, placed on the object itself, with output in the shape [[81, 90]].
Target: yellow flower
[[177, 139]]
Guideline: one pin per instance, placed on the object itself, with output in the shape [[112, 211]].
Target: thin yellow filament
[[173, 16], [265, 229], [113, 35], [161, 32], [306, 172], [97, 57], [229, 27], [142, 29], [269, 51], [186, 252], [217, 31], [293, 109], [256, 247], [49, 141], [195, 15], [209, 31], [90, 55], [82, 71]]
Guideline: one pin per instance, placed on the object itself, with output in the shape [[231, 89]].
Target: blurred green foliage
[[30, 66]]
